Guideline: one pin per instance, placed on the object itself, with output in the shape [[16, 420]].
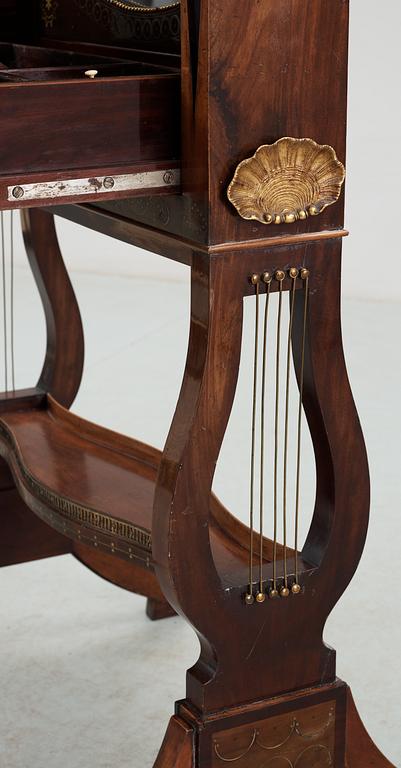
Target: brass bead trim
[[131, 7], [75, 513]]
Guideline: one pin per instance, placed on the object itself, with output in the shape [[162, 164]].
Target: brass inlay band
[[78, 513], [239, 757], [321, 748], [315, 734], [291, 749], [135, 7], [293, 730]]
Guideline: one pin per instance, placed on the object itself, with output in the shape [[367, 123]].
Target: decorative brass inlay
[[77, 513], [287, 181], [126, 6], [315, 725], [49, 10]]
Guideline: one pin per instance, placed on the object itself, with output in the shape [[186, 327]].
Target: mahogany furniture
[[212, 133]]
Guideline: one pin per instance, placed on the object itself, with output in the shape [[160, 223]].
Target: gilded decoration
[[287, 181], [49, 11]]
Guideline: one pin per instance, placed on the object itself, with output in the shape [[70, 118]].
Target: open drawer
[[75, 127]]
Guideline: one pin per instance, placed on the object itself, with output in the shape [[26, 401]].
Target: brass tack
[[255, 279], [304, 273], [18, 192], [260, 597], [277, 219], [302, 215], [108, 182], [273, 594], [289, 218], [314, 210], [293, 272], [295, 589], [284, 592], [280, 275], [91, 73], [267, 277], [249, 599]]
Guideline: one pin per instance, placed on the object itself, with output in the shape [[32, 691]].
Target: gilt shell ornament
[[286, 181]]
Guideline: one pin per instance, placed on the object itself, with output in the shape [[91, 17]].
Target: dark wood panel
[[88, 124], [23, 536]]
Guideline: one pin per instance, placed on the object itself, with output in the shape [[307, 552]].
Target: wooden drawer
[[59, 126]]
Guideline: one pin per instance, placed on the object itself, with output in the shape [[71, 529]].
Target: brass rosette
[[287, 181]]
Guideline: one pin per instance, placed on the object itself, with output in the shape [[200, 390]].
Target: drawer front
[[49, 131]]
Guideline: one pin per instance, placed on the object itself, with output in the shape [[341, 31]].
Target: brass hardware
[[287, 181], [49, 9], [127, 6], [108, 182], [74, 512], [284, 592], [293, 272], [91, 73], [267, 277], [279, 275], [260, 597], [249, 598], [255, 280], [168, 177], [67, 187], [305, 278], [274, 593], [18, 192], [296, 589]]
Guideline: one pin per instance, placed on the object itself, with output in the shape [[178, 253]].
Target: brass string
[[280, 277], [3, 264], [293, 275], [305, 277], [256, 282], [12, 301], [267, 281]]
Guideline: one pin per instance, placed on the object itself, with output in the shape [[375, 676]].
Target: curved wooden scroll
[[62, 370], [250, 653]]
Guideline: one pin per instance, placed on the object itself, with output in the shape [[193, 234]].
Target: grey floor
[[86, 680]]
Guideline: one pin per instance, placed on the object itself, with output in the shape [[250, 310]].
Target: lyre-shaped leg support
[[24, 536], [270, 653]]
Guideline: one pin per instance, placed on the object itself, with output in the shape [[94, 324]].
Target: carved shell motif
[[286, 181]]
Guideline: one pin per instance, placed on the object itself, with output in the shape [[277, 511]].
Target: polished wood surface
[[106, 123], [63, 365], [97, 487], [147, 520]]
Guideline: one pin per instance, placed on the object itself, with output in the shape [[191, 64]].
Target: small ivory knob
[[91, 73]]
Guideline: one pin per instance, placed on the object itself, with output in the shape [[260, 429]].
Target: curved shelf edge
[[96, 487]]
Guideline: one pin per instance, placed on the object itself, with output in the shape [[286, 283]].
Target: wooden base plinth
[[319, 728]]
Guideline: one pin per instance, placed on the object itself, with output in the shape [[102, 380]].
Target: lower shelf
[[97, 487]]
